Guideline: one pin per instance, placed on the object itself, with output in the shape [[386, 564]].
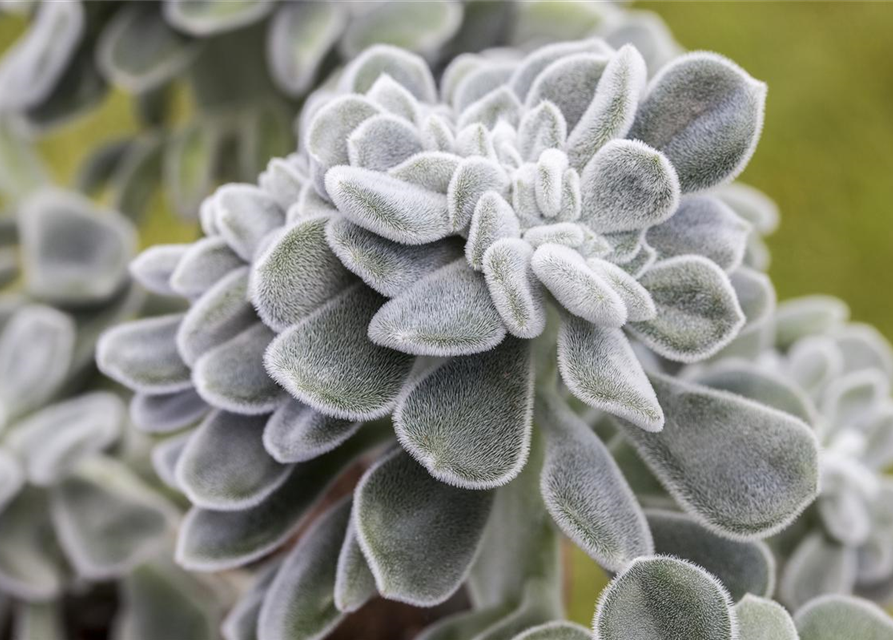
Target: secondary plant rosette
[[423, 258]]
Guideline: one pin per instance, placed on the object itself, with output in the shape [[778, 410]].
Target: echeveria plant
[[432, 259]]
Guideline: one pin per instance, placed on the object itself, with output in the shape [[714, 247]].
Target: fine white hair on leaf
[[407, 69], [612, 110], [245, 215], [864, 347], [705, 226], [763, 619], [166, 412], [623, 245], [705, 113], [459, 67], [523, 189], [204, 263], [576, 287], [388, 267], [556, 631], [143, 355], [567, 234], [514, 289], [756, 295], [480, 81], [154, 267], [241, 621], [437, 134], [493, 220], [473, 177], [199, 19], [850, 399], [296, 274], [834, 616], [569, 83], [299, 602], [297, 433], [817, 567], [585, 491], [448, 312], [394, 98], [354, 582], [717, 447], [165, 455], [383, 141], [469, 421], [536, 62], [328, 362], [27, 571], [697, 310], [571, 197], [639, 305], [430, 170], [392, 208], [501, 104], [752, 205], [627, 186], [475, 140], [743, 567], [600, 368], [466, 624], [541, 128], [224, 465], [331, 126], [660, 597], [427, 558], [549, 186], [808, 315]]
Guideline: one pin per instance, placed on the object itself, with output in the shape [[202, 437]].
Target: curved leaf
[[556, 631], [807, 315], [382, 142], [817, 567], [245, 214], [297, 433], [300, 36], [514, 289], [407, 69], [354, 582], [153, 267], [206, 17], [569, 84], [31, 565], [761, 619], [834, 617], [167, 412], [206, 262], [420, 27]]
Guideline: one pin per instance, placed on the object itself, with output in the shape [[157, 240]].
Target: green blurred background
[[826, 155]]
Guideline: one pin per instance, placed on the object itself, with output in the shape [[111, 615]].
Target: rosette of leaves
[[836, 376], [423, 259]]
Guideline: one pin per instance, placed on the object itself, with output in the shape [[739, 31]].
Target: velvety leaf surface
[[762, 619], [168, 412], [817, 567], [204, 263], [297, 433], [300, 36], [556, 631], [514, 289], [31, 564], [244, 215], [841, 617], [154, 266], [354, 582]]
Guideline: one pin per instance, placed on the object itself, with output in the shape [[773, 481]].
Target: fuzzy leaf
[[207, 261], [586, 494], [638, 302], [659, 598], [206, 17], [612, 110], [469, 421], [500, 105], [165, 456], [382, 142], [493, 219], [154, 266], [577, 287], [241, 621], [817, 567], [704, 226], [299, 602], [697, 310], [31, 565], [354, 582], [600, 368], [569, 84], [430, 170], [328, 362], [409, 70], [300, 36], [556, 631], [627, 186], [143, 355], [245, 214], [222, 313], [741, 469], [742, 567], [188, 166], [566, 234], [480, 81], [761, 619], [422, 27], [864, 347], [849, 400], [536, 62], [474, 177], [388, 267], [465, 624], [296, 274], [448, 312], [514, 289], [426, 559], [541, 128], [389, 207], [167, 412], [297, 433], [548, 188], [835, 617], [807, 315], [391, 96], [71, 252], [283, 179], [705, 114]]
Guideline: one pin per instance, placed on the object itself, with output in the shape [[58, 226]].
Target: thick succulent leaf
[[154, 267], [138, 50], [535, 607], [480, 81], [392, 208], [328, 362], [842, 507], [36, 349], [817, 567], [431, 170], [167, 412], [245, 214], [834, 617], [296, 274], [388, 267], [426, 559], [106, 519], [741, 469], [569, 84], [409, 70], [283, 179], [475, 140], [354, 582], [704, 226], [395, 99], [204, 18], [536, 62], [743, 567], [422, 27], [756, 295], [493, 220], [705, 114], [697, 310], [576, 287], [382, 142], [469, 421], [638, 302], [21, 168], [39, 621], [879, 433], [465, 624], [864, 347], [300, 37], [188, 166], [514, 289], [30, 562], [585, 492], [566, 234], [297, 433], [225, 467], [71, 252], [437, 134], [222, 313], [474, 177], [165, 456], [612, 110], [299, 602], [218, 540], [12, 478], [600, 368], [762, 619], [850, 399], [448, 312], [807, 315], [556, 631], [53, 441], [206, 262], [241, 621], [541, 128], [500, 105], [659, 598]]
